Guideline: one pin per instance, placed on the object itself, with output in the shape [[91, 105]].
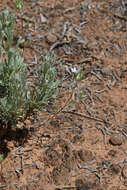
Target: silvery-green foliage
[[45, 84], [16, 98], [7, 20], [13, 85]]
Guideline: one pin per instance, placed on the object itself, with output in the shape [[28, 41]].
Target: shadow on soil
[[19, 135]]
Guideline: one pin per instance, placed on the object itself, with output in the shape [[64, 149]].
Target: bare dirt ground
[[80, 141]]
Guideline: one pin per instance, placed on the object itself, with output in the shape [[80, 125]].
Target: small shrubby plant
[[19, 4], [17, 99], [45, 83]]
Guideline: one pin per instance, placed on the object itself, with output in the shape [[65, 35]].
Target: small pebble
[[51, 38], [43, 19], [116, 139]]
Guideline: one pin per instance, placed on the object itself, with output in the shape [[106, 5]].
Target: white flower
[[74, 70]]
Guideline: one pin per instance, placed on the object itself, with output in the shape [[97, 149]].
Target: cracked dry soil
[[84, 146]]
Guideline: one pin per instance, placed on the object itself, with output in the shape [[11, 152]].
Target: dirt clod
[[85, 155]]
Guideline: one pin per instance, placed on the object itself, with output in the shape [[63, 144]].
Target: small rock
[[51, 38], [85, 155], [43, 19], [116, 139]]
